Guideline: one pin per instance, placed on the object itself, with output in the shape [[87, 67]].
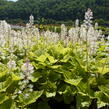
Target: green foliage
[[60, 73]]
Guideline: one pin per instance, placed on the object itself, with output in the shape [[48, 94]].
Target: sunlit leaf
[[74, 82]]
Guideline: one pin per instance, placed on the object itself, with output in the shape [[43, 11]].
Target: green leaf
[[102, 70], [51, 59], [85, 104], [101, 104], [50, 94], [65, 58], [36, 76], [101, 99], [3, 97], [55, 66], [9, 104], [2, 74], [42, 58], [31, 98], [14, 84], [74, 82], [105, 89], [15, 77], [83, 101], [85, 90], [4, 85]]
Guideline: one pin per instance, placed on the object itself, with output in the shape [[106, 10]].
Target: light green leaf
[[55, 66], [42, 58], [105, 89], [74, 82], [31, 98], [15, 77], [102, 70], [101, 104], [51, 59], [50, 94], [85, 104]]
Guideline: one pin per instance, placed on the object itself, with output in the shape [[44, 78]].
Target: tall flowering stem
[[31, 21], [26, 75], [88, 18], [88, 24]]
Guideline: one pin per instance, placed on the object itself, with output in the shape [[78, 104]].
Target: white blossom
[[27, 67], [19, 92], [63, 32], [77, 23], [88, 17], [31, 21], [11, 64], [26, 95], [30, 86]]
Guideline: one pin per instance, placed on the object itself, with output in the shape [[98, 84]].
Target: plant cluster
[[38, 67]]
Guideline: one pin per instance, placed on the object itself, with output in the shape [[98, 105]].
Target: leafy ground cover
[[47, 70], [53, 71]]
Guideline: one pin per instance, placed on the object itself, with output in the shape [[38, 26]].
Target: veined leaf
[[50, 94], [51, 59], [105, 90], [85, 90], [74, 82], [31, 98], [65, 58], [15, 77], [102, 70], [42, 58]]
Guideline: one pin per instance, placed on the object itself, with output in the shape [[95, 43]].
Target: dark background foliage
[[53, 11]]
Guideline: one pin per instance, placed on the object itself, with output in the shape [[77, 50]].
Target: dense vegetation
[[51, 11], [46, 74], [47, 70]]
